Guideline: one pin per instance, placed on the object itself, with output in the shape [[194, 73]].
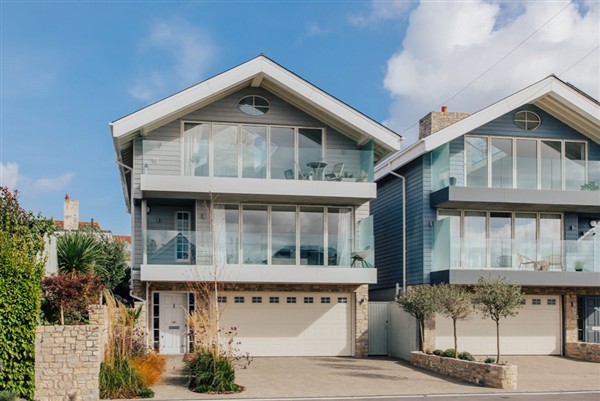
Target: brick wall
[[67, 362], [437, 120], [483, 374]]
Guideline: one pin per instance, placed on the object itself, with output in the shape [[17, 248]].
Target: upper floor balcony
[[505, 173], [254, 170]]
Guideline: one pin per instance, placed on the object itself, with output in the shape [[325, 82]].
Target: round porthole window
[[527, 120], [254, 105]]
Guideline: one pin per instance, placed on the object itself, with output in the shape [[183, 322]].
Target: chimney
[[437, 120], [71, 219]]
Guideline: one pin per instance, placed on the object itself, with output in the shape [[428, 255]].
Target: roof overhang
[[552, 95]]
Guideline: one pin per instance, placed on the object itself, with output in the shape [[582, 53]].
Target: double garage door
[[289, 323], [536, 330]]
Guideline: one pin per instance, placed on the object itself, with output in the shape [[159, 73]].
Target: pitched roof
[[258, 72], [83, 225], [556, 97]]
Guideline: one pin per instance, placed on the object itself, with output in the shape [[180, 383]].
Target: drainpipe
[[403, 178]]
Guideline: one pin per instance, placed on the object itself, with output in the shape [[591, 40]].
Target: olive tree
[[498, 299], [456, 303], [420, 303]]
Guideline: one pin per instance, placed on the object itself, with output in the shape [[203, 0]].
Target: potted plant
[[590, 186], [579, 265]]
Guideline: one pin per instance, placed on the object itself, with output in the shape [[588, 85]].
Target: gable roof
[[556, 97], [259, 72]]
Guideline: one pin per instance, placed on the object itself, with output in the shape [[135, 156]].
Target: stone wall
[[483, 374], [437, 120], [67, 362], [585, 351], [362, 321]]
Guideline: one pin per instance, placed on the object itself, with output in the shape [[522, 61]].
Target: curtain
[[220, 236], [343, 240]]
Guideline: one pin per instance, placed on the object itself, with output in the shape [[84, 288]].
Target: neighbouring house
[[511, 191], [261, 181]]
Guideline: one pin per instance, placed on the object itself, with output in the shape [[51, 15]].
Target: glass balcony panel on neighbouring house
[[440, 167]]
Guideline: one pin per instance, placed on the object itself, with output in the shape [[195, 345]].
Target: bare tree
[[498, 299], [456, 303]]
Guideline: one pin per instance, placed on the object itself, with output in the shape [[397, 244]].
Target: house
[[510, 191], [261, 181]]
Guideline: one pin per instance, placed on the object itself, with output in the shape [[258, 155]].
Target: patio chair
[[554, 260], [524, 260], [361, 257], [336, 174], [504, 261]]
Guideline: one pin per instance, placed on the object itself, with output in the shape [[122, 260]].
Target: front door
[[592, 319], [173, 326]]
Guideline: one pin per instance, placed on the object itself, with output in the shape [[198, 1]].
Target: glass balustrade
[[495, 253], [244, 161], [168, 247]]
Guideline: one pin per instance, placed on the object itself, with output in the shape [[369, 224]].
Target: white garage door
[[536, 330], [290, 323]]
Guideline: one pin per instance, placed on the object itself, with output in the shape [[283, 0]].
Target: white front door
[[173, 325]]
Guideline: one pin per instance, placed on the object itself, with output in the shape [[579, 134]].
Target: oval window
[[254, 105], [527, 120]]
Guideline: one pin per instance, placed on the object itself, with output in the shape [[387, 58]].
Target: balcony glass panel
[[366, 245], [526, 164], [254, 151], [475, 231], [312, 237], [283, 235], [477, 161], [339, 236], [310, 150], [255, 235], [440, 167], [227, 234], [282, 153], [574, 165], [225, 150], [501, 234]]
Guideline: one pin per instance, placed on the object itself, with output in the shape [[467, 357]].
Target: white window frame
[[189, 229]]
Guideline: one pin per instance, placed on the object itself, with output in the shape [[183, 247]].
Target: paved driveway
[[321, 377]]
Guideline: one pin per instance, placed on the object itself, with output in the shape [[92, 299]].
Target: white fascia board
[[570, 98], [399, 159], [246, 72]]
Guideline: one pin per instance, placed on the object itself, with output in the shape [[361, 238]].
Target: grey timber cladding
[[137, 236]]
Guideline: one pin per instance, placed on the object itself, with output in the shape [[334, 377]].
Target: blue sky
[[69, 68]]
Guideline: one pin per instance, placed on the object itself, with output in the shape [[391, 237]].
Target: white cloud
[[9, 175], [449, 44], [175, 54], [314, 29], [53, 184], [383, 10]]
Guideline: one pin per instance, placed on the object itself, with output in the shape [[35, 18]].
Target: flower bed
[[483, 374]]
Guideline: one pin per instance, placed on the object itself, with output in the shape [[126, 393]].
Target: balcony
[[527, 262], [251, 257], [235, 172]]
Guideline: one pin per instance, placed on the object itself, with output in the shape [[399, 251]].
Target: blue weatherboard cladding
[[387, 208]]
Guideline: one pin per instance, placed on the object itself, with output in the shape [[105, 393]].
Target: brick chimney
[[71, 214], [437, 120]]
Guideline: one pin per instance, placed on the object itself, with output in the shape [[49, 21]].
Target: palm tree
[[78, 251]]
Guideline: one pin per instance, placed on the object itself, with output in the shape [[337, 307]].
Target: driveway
[[322, 377]]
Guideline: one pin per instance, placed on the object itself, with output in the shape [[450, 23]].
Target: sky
[[69, 68]]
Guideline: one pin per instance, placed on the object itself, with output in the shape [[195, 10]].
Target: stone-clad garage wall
[[67, 360]]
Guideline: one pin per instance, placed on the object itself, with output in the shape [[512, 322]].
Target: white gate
[[379, 316]]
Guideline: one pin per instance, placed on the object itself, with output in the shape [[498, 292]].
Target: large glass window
[[255, 234], [477, 161], [312, 236], [339, 236], [254, 152], [282, 153], [527, 164], [225, 144], [502, 163], [475, 239], [574, 165], [551, 168], [500, 243], [283, 235], [550, 235], [526, 235], [196, 149], [310, 150]]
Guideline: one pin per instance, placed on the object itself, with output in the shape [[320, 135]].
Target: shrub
[[68, 296], [438, 352], [449, 353], [207, 372], [119, 380], [146, 393], [465, 356], [150, 366], [489, 360], [7, 395]]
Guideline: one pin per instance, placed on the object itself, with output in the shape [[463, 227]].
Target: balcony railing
[[167, 247], [515, 173], [283, 163], [516, 254]]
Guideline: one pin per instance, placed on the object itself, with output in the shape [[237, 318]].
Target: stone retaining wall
[[67, 362], [484, 374], [585, 351]]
